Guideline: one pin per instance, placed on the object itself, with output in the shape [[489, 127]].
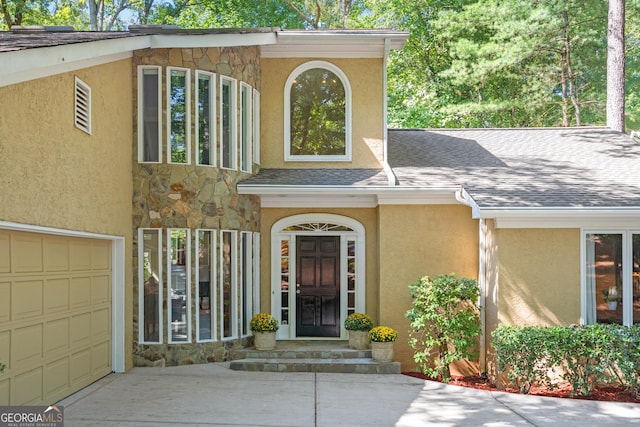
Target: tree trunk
[[615, 66]]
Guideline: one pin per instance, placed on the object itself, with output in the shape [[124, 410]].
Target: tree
[[615, 66]]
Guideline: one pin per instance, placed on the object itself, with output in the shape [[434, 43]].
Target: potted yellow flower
[[264, 327], [358, 325], [382, 339]]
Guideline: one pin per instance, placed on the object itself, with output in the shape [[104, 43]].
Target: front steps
[[311, 356]]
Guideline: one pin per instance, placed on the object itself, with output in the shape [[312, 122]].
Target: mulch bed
[[605, 394]]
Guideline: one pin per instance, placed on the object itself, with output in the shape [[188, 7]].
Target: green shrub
[[583, 356], [2, 366], [444, 318]]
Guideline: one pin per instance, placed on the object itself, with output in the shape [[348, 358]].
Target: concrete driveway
[[213, 395]]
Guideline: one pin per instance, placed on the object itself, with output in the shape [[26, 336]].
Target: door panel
[[317, 286]]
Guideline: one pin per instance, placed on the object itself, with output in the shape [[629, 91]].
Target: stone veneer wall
[[189, 196]]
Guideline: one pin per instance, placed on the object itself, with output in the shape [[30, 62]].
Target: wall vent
[[83, 106]]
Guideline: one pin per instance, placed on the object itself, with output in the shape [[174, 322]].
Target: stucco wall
[[367, 217], [365, 77], [56, 175], [416, 241], [538, 277]]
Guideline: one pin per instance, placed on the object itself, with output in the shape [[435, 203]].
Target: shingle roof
[[511, 168], [321, 177], [12, 41]]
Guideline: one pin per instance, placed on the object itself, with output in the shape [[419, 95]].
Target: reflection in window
[[256, 126], [178, 284], [149, 113], [228, 131], [205, 117], [150, 285], [318, 115], [205, 269], [178, 114], [612, 278], [228, 284], [246, 127], [635, 276], [351, 277], [246, 288], [604, 276]]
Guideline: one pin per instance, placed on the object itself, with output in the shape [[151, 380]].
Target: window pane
[[150, 112], [178, 253], [206, 255], [150, 258], [178, 90], [284, 284], [227, 123], [245, 128], [246, 251], [206, 130], [635, 280], [318, 114], [604, 272], [228, 283]]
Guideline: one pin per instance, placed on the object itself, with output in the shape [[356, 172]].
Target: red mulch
[[608, 393]]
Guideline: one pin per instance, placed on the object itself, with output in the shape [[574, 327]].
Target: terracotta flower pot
[[359, 340], [264, 340]]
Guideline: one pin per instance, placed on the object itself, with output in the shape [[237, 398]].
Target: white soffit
[[305, 44], [563, 217], [29, 64]]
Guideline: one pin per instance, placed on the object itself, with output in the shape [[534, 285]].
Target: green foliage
[[383, 334], [263, 322], [583, 356], [358, 322], [445, 318], [2, 366]]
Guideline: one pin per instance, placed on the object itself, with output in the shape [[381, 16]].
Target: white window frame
[[213, 296], [246, 282], [288, 157], [627, 270], [82, 106], [140, 112], [256, 126], [279, 234], [141, 339], [233, 119], [233, 297], [187, 123], [213, 133], [246, 127]]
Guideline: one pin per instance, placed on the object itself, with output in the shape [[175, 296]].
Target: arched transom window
[[317, 114]]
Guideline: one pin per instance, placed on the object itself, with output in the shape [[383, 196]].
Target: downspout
[[392, 181], [463, 197]]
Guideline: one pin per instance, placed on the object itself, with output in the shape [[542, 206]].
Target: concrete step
[[344, 366], [310, 356]]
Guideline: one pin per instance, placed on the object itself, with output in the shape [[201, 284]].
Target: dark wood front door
[[317, 286]]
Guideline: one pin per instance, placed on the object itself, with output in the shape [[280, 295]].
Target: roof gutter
[[465, 198], [385, 119]]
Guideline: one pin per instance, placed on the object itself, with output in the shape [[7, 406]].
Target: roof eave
[[563, 217]]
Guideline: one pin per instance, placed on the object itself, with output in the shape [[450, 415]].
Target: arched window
[[317, 114]]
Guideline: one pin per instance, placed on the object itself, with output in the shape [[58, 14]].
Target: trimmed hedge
[[583, 356]]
